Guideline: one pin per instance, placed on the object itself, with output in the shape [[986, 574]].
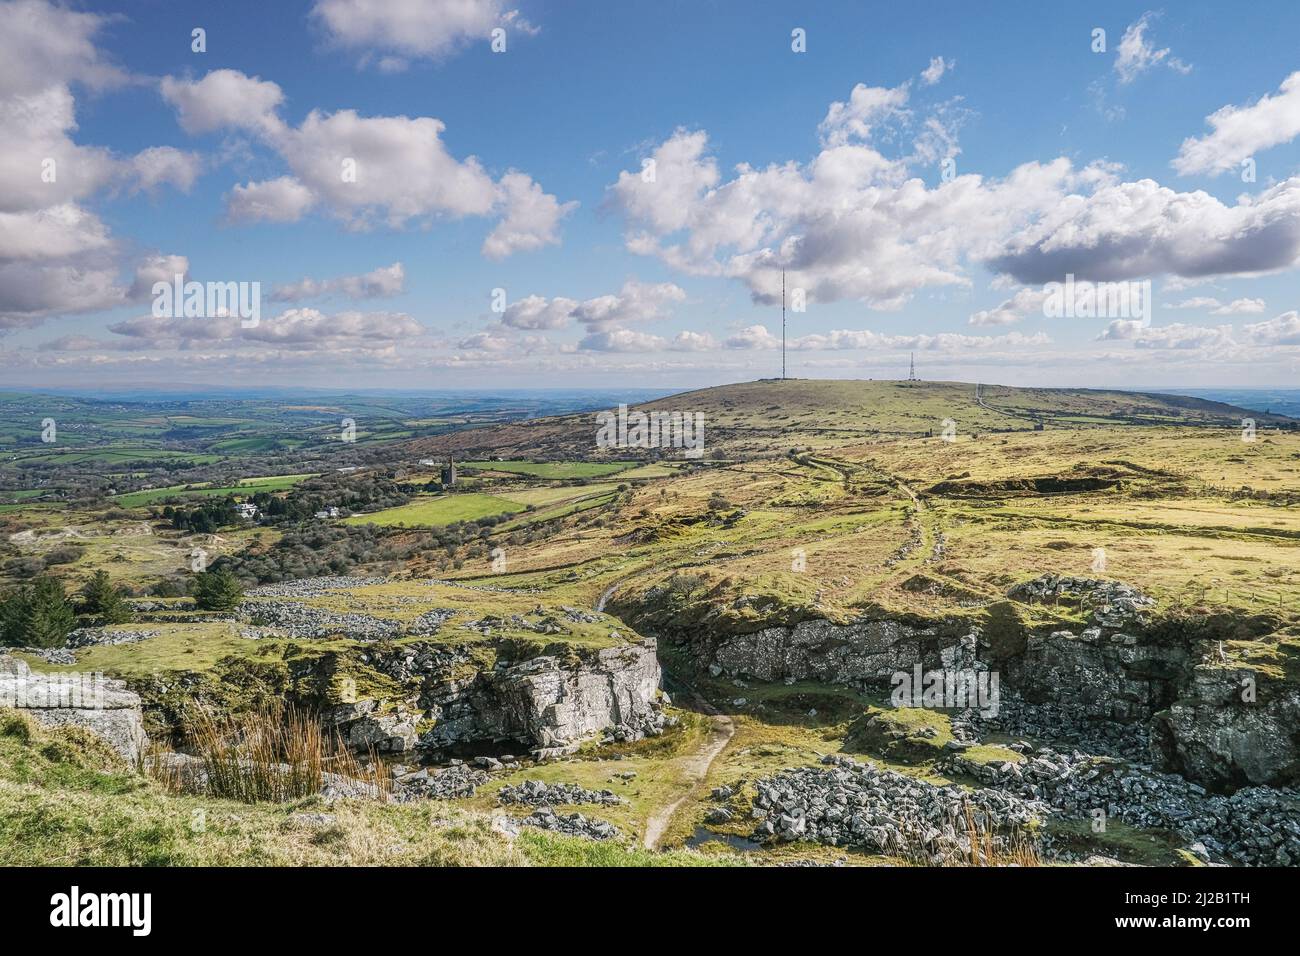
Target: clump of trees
[[217, 590], [104, 601], [37, 614]]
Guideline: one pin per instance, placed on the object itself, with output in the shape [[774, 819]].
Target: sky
[[461, 194]]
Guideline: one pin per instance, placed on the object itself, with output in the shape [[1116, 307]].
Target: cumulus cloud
[[1238, 132], [1136, 54], [849, 224], [400, 30], [1174, 336], [275, 200], [634, 302], [380, 283], [364, 170], [56, 256], [1282, 330], [224, 99], [1129, 230], [1011, 310], [532, 218], [298, 329]]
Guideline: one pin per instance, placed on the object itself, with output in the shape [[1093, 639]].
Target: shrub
[[217, 590]]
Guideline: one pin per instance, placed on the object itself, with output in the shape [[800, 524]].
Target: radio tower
[[783, 325], [911, 372]]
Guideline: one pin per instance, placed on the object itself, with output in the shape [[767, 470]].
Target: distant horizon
[[378, 194]]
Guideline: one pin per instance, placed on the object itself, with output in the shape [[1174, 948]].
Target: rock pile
[[89, 636], [1114, 603], [1052, 721], [311, 587], [1257, 826], [855, 804], [535, 793], [303, 620], [571, 824], [458, 780]]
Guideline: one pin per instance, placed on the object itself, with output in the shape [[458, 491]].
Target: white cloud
[[757, 337], [1215, 307], [390, 170], [867, 108], [381, 283], [224, 99], [1174, 336], [1135, 54], [275, 200], [1129, 230], [531, 220], [634, 302], [622, 340], [1282, 330], [935, 71], [406, 29], [296, 329], [1238, 132], [1011, 310]]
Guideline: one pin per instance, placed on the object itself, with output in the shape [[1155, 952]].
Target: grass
[[274, 753], [552, 469], [434, 511], [66, 800], [246, 487]]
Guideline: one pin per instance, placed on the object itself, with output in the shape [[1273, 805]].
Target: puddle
[[704, 835]]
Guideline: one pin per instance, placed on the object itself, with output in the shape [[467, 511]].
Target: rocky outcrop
[[1230, 729], [548, 702], [92, 701], [866, 651], [1109, 675]]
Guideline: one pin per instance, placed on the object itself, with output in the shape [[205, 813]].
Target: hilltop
[[742, 419]]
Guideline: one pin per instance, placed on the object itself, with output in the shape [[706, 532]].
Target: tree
[[217, 590], [37, 615], [104, 601]]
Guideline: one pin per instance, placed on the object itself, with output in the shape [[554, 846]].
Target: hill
[[743, 420]]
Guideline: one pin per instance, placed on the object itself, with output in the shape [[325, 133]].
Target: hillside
[[742, 420]]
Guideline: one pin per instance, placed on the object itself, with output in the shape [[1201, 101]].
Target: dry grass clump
[[275, 753]]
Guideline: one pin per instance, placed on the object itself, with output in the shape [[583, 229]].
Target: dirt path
[[695, 768]]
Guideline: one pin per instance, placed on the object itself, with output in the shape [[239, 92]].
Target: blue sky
[[522, 171]]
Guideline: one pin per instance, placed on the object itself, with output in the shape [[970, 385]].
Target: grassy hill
[[743, 420]]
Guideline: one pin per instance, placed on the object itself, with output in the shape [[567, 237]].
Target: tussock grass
[[275, 753]]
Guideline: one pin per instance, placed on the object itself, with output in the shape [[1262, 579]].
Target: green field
[[553, 469], [429, 512], [137, 499]]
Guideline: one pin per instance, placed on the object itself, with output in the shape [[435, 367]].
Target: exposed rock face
[[548, 702], [820, 650], [1225, 737], [101, 705], [1114, 676]]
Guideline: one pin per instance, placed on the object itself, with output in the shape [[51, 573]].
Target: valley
[[711, 643]]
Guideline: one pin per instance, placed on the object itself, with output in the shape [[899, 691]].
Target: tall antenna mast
[[783, 325], [911, 372]]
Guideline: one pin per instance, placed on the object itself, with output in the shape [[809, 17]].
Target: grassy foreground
[[67, 800]]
